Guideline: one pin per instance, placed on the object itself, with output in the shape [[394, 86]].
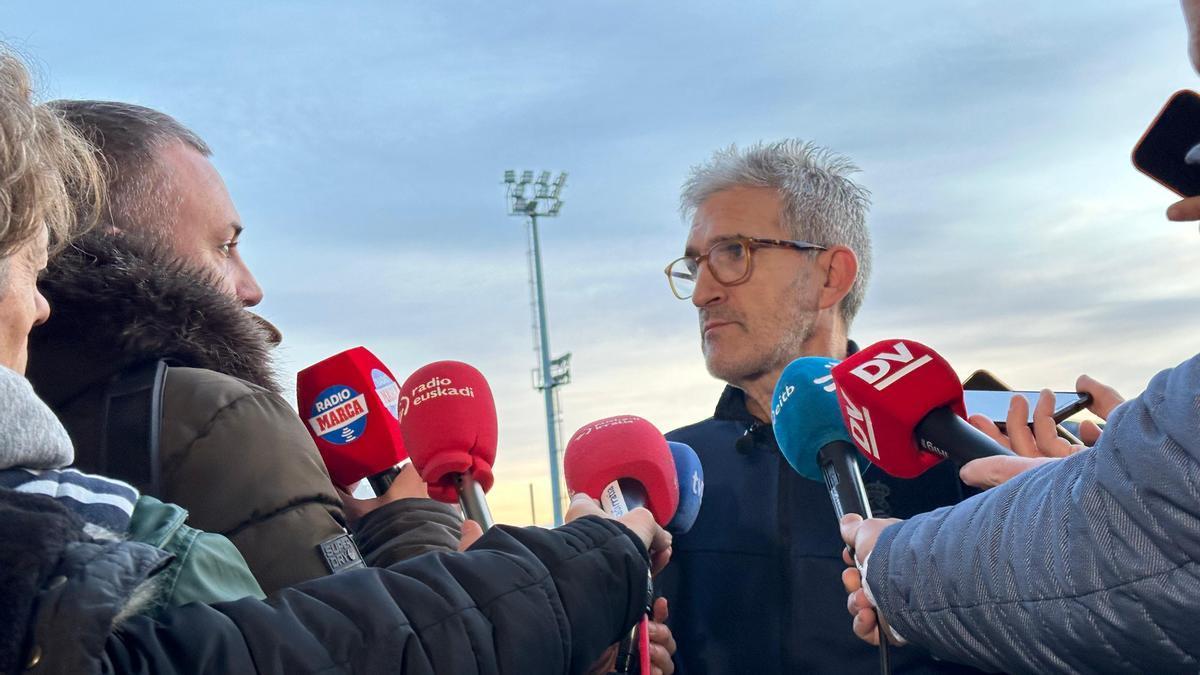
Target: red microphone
[[448, 418], [349, 402], [903, 405], [624, 462]]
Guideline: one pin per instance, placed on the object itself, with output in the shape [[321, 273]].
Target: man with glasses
[[776, 263]]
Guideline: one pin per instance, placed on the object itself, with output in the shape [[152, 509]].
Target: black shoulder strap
[[133, 418]]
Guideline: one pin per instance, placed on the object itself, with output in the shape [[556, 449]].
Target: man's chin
[[726, 369]]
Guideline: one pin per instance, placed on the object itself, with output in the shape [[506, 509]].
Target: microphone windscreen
[[805, 413], [348, 403], [448, 418], [690, 476], [885, 391], [627, 447]]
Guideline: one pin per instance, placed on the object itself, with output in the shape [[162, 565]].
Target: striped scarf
[[105, 505]]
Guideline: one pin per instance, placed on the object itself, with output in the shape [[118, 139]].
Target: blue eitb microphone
[[812, 436]]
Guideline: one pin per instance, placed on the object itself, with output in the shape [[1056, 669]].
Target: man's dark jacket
[[522, 600], [755, 586], [233, 452]]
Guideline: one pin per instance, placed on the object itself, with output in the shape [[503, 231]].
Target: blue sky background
[[364, 145]]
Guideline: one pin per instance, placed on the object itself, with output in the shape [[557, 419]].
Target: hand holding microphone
[[860, 536], [626, 464], [407, 484], [640, 521]]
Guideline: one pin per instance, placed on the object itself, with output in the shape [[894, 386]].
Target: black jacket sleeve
[[406, 528], [522, 600]]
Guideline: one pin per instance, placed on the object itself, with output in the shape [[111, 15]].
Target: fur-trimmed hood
[[121, 300]]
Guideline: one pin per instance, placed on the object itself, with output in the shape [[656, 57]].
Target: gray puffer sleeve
[[1088, 564]]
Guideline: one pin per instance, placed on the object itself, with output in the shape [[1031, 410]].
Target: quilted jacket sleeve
[[522, 600], [1087, 564]]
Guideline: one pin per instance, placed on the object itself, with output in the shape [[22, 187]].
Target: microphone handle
[[473, 502], [839, 465], [383, 480], [947, 435], [838, 461]]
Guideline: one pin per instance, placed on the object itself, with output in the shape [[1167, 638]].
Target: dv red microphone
[[349, 404], [625, 462], [448, 418], [903, 405]]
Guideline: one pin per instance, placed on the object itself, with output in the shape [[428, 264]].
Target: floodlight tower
[[544, 201]]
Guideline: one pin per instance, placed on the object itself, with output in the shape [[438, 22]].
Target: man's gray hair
[[128, 138], [820, 203]]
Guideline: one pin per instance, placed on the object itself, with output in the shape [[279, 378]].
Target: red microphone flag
[[349, 403], [626, 447], [885, 391]]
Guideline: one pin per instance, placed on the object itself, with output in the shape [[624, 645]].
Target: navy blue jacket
[[755, 586]]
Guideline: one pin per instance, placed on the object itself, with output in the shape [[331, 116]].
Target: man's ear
[[840, 268]]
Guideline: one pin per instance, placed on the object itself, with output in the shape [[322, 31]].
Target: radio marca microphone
[[625, 462], [349, 403], [448, 418], [690, 475], [809, 429], [903, 405]]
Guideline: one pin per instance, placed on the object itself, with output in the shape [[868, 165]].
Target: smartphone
[[994, 404], [985, 381], [1169, 151]]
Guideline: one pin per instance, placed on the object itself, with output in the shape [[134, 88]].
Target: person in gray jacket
[[1084, 563]]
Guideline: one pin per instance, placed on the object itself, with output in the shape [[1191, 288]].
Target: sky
[[365, 143]]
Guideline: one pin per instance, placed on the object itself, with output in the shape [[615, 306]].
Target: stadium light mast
[[544, 200]]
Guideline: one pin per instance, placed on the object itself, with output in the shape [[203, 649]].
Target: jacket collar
[[732, 404], [121, 300]]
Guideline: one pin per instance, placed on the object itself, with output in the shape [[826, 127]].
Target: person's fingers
[[987, 426], [1045, 429], [1184, 210], [660, 661], [1089, 432], [849, 528], [989, 472], [1104, 397], [660, 633], [582, 505], [1020, 438], [471, 532], [851, 579], [659, 561], [659, 611], [865, 627]]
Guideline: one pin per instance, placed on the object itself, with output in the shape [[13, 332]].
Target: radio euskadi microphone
[[903, 405], [448, 418], [349, 403], [690, 476]]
